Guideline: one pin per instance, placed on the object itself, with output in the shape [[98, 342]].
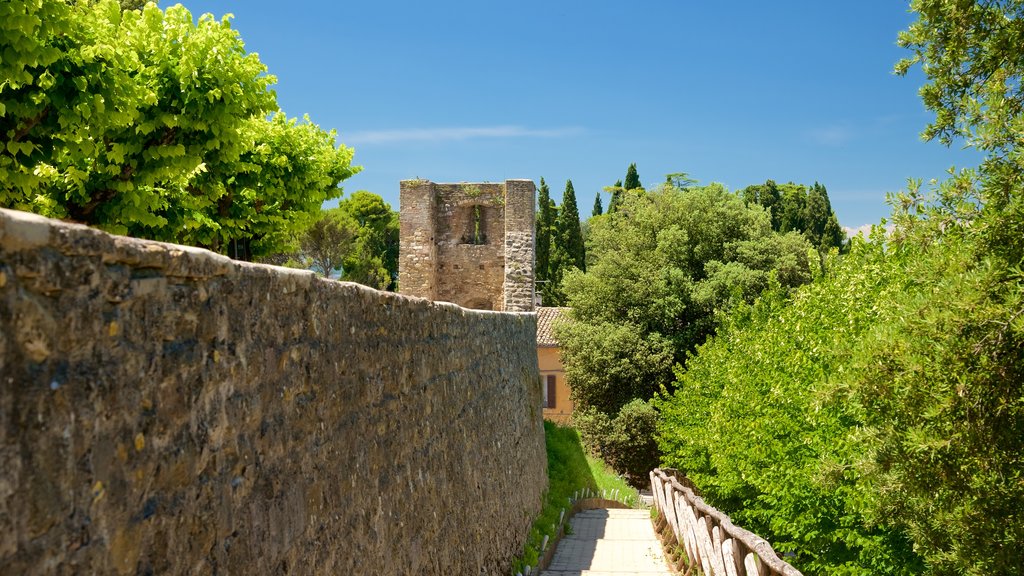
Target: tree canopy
[[544, 230], [795, 207], [147, 122], [972, 53], [374, 258], [560, 245], [890, 387], [357, 240], [663, 268], [758, 422], [327, 242]]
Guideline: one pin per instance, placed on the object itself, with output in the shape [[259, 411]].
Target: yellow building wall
[[549, 360]]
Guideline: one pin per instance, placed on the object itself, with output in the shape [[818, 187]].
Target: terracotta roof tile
[[546, 318]]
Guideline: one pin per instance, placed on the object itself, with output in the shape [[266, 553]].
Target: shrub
[[626, 442]]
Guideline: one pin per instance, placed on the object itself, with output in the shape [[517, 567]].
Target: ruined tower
[[468, 243]]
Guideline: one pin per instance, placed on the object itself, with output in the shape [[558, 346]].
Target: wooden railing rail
[[711, 541]]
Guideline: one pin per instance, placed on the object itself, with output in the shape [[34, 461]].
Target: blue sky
[[734, 92]]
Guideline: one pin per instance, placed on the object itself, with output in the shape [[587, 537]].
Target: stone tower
[[471, 244]]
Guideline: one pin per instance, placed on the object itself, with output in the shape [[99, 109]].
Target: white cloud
[[863, 229], [453, 134], [830, 135]]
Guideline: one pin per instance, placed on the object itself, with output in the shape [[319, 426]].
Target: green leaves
[[757, 422], [150, 123], [873, 423], [374, 259], [945, 402], [560, 246], [941, 394], [971, 53], [795, 207], [358, 239], [666, 266]]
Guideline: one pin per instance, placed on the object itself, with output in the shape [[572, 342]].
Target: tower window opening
[[476, 229]]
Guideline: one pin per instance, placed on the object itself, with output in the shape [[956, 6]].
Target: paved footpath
[[608, 542]]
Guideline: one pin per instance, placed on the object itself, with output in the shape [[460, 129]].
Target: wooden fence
[[711, 541]]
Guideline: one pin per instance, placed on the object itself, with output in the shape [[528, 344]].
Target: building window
[[476, 226], [549, 391]]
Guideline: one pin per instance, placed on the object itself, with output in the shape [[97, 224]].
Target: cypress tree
[[570, 235], [616, 192], [766, 195], [598, 209], [793, 205], [822, 226], [632, 178], [551, 291], [545, 223]]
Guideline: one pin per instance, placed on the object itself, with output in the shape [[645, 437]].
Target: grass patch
[[569, 470], [608, 481]]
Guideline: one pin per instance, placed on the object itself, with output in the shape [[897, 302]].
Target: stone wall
[[417, 254], [468, 243], [164, 410], [520, 223]]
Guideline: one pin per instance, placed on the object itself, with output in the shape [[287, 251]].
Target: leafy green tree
[[632, 181], [627, 441], [276, 187], [329, 241], [822, 226], [552, 293], [124, 121], [611, 363], [358, 238], [972, 53], [797, 207], [767, 389], [567, 250], [891, 386], [793, 207], [953, 467], [939, 380], [767, 196], [619, 190], [598, 208], [664, 267], [138, 123], [374, 258]]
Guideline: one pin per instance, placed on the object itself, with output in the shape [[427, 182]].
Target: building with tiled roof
[[546, 317], [557, 404]]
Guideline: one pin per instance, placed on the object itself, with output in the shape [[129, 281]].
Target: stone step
[[612, 542]]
